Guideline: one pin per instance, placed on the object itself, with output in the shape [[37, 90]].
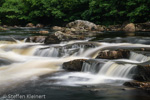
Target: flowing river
[[33, 71]]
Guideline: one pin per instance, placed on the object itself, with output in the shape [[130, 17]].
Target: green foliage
[[61, 11]]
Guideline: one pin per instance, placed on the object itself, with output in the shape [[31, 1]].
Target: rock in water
[[144, 72], [65, 37], [141, 85], [115, 54], [52, 39], [36, 39], [81, 24], [129, 28], [75, 65]]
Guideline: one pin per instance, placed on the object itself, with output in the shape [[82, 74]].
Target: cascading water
[[138, 57], [24, 61], [117, 70], [110, 69], [68, 49]]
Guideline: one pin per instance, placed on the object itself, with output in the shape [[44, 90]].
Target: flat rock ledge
[[140, 85], [114, 54]]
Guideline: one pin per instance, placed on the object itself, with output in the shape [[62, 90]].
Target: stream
[[33, 71]]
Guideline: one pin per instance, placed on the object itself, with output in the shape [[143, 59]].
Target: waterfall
[[48, 52], [93, 67], [64, 51], [110, 69], [138, 57], [24, 61]]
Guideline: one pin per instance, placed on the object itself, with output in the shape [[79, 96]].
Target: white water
[[138, 57], [28, 61]]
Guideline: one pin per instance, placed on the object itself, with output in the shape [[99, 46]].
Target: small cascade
[[48, 52], [112, 69], [93, 67], [138, 57], [109, 69], [64, 51]]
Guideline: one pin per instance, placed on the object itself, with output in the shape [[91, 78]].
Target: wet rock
[[39, 26], [114, 28], [36, 39], [52, 39], [30, 25], [82, 24], [115, 54], [143, 26], [101, 28], [140, 85], [65, 37], [143, 72], [129, 28], [83, 64], [75, 65]]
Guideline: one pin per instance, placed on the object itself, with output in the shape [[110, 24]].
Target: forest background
[[59, 12]]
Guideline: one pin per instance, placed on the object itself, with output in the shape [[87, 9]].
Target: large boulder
[[52, 39], [129, 28], [36, 39], [81, 24], [115, 54]]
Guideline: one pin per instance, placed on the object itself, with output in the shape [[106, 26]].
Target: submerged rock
[[115, 54]]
